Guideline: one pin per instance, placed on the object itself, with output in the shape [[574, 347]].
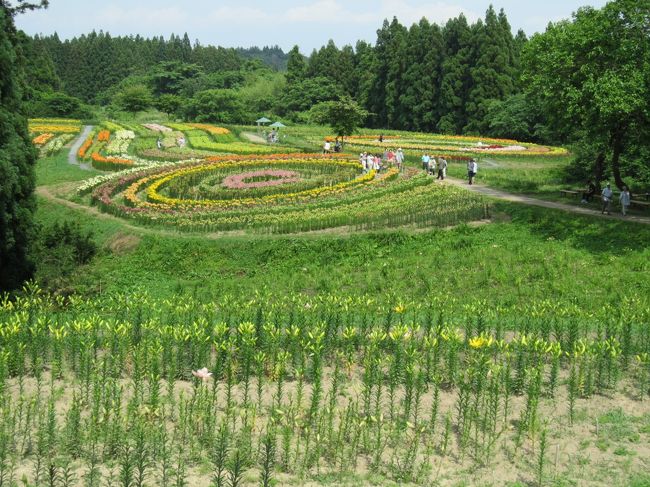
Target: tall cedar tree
[[492, 68], [17, 159], [456, 79], [422, 77]]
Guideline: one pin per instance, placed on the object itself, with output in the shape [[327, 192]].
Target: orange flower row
[[210, 128], [97, 157], [103, 136], [84, 148], [42, 139]]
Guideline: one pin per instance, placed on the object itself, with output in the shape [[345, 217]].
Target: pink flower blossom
[[202, 374]]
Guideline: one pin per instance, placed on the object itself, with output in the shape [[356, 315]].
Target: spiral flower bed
[[284, 193], [278, 177]]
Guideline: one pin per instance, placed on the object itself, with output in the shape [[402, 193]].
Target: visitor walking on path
[[425, 162], [607, 199], [442, 168], [327, 147], [472, 169], [625, 198]]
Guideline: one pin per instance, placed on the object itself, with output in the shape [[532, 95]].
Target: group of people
[[180, 142], [429, 164], [273, 137], [378, 162], [607, 195], [327, 147]]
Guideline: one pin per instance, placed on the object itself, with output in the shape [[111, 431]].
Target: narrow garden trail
[[72, 155], [526, 200], [258, 139]]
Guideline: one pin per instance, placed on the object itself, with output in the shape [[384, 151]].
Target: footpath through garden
[[76, 145], [527, 200]]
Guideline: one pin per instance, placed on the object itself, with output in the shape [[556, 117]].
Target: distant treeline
[[426, 77]]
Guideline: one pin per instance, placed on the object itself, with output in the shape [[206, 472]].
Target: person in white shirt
[[607, 199], [399, 159], [425, 162], [432, 166], [625, 198], [472, 169], [327, 148]]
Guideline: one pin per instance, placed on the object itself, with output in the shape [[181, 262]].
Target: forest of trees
[[425, 77]]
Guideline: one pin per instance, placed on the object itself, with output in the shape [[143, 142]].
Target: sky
[[309, 24]]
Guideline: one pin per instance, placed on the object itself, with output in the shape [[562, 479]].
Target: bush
[[47, 105], [61, 248]]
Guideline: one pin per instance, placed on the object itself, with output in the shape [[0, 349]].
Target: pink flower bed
[[238, 181]]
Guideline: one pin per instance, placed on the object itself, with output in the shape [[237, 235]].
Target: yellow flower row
[[152, 191], [210, 128], [57, 129]]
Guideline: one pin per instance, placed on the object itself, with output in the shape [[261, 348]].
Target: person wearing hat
[[607, 199]]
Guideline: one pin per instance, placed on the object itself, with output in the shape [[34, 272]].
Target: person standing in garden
[[589, 193], [625, 199], [425, 161], [472, 169], [327, 147], [442, 168], [607, 199], [399, 159], [432, 166]]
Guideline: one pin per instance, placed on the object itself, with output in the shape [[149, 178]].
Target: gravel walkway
[[526, 200], [72, 156]]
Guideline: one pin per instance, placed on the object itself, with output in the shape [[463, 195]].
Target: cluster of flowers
[[55, 145], [103, 136], [109, 163], [39, 128], [42, 139], [120, 142], [85, 146], [276, 178], [211, 129]]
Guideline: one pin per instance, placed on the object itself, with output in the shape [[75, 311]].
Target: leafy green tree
[[169, 76], [517, 117], [17, 158], [134, 99], [592, 75], [301, 96], [169, 104], [344, 115], [219, 106]]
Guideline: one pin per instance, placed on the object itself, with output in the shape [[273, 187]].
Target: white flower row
[[141, 164]]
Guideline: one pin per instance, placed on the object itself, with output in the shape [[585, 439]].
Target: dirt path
[[526, 200], [254, 137], [72, 155]]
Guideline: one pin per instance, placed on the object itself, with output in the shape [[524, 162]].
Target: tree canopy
[[592, 76]]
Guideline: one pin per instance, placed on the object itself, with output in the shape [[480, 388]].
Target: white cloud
[[163, 17], [243, 15]]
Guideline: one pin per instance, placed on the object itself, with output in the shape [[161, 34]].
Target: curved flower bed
[[305, 192], [451, 146], [239, 181]]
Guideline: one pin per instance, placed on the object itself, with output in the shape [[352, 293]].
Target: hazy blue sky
[[309, 24]]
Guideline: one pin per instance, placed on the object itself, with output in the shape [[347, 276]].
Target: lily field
[[265, 314]]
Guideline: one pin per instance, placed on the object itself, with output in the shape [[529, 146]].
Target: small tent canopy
[[277, 125], [262, 121]]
